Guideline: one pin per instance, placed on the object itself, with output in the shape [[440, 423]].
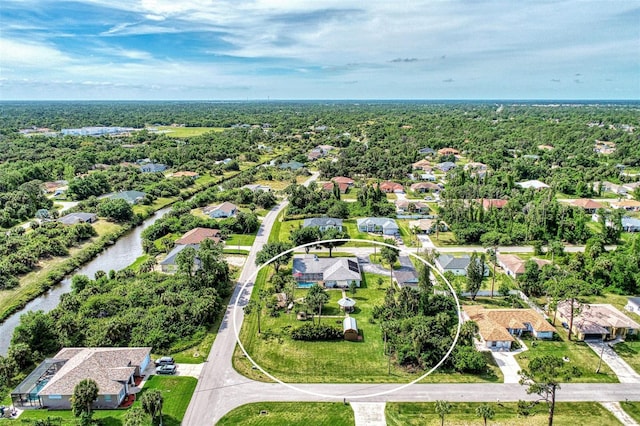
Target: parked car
[[166, 369], [165, 360]]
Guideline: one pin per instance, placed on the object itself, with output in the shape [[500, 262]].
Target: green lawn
[[630, 352], [632, 408], [423, 413], [176, 391], [290, 414], [240, 240], [443, 239], [337, 361], [578, 353]]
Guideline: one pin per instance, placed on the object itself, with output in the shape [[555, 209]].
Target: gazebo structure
[[347, 304]]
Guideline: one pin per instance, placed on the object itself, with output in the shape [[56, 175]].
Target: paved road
[[218, 373]]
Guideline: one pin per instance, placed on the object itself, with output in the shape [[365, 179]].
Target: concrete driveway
[[625, 373], [193, 370]]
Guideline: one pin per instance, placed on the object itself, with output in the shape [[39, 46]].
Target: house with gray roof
[[323, 223], [169, 264], [630, 224], [52, 383], [456, 265], [79, 217], [292, 165], [380, 225], [225, 209], [153, 168], [445, 166], [326, 271], [131, 197]]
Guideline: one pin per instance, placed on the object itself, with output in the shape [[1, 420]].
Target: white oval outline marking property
[[253, 276]]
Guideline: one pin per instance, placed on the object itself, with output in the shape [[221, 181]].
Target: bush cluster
[[315, 332]]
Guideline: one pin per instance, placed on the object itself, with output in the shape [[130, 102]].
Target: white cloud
[[24, 54]]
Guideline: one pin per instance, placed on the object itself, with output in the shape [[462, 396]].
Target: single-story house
[[153, 168], [326, 271], [342, 179], [476, 168], [448, 151], [131, 197], [630, 224], [633, 305], [426, 151], [514, 266], [314, 154], [424, 165], [390, 187], [383, 225], [80, 217], [225, 209], [589, 206], [628, 205], [198, 235], [323, 223], [497, 327], [405, 277], [493, 203], [597, 321], [427, 226], [425, 187], [403, 206], [291, 165], [256, 188], [342, 186], [456, 265], [446, 166], [535, 184], [52, 383], [350, 329], [52, 187], [430, 177], [169, 264]]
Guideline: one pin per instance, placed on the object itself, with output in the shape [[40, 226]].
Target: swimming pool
[[305, 284]]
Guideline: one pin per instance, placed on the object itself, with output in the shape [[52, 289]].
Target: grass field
[[185, 132], [290, 414], [444, 239], [176, 391], [336, 361], [423, 413], [630, 352], [578, 354], [239, 240]]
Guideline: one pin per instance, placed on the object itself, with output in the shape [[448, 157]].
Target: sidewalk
[[369, 413]]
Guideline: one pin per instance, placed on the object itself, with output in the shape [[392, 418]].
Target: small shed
[[350, 329]]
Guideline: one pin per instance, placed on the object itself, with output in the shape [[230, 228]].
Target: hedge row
[[314, 332]]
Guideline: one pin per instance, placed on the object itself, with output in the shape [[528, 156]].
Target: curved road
[[221, 389]]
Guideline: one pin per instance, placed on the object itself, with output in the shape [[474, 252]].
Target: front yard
[[630, 352], [291, 414]]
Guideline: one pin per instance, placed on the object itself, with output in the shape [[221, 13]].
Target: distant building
[[256, 188], [131, 197], [535, 184], [342, 186], [323, 223], [225, 209], [630, 224], [456, 265], [342, 179], [382, 225], [493, 203], [390, 187], [80, 217], [514, 266], [446, 166], [153, 168], [292, 165], [448, 151], [198, 235], [589, 206]]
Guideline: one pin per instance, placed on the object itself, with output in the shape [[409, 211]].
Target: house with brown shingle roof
[[198, 235], [448, 151], [628, 205], [597, 321], [389, 187], [514, 266], [425, 187], [589, 206], [499, 327], [113, 369], [343, 179], [493, 203], [424, 165], [343, 187]]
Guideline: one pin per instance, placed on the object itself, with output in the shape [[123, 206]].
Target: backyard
[[330, 361]]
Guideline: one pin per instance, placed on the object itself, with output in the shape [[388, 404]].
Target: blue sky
[[320, 49]]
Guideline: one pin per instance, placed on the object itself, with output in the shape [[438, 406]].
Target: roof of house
[[170, 258], [257, 187], [625, 204], [493, 323], [422, 224], [128, 196], [404, 204], [421, 164], [153, 167], [331, 268], [592, 318], [73, 218], [383, 222], [586, 203], [292, 165], [322, 221], [489, 203], [474, 165], [535, 184], [445, 166], [405, 276], [343, 179], [342, 186], [107, 366], [448, 151], [426, 150], [390, 186], [225, 207], [634, 300], [448, 261], [425, 185], [517, 265], [197, 235]]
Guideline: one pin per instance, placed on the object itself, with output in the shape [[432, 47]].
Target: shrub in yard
[[312, 332]]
